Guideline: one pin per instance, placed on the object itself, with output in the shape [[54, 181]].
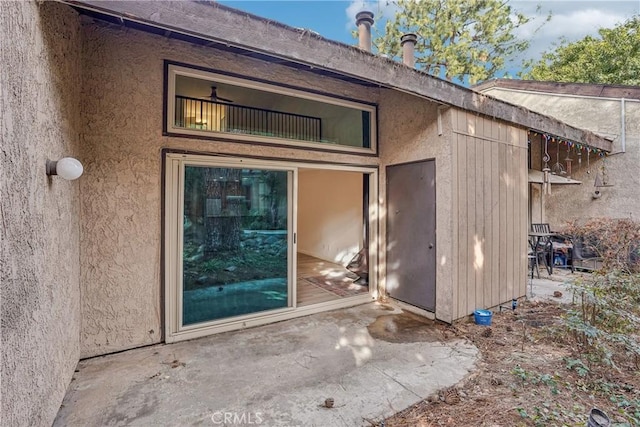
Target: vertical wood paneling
[[479, 240], [462, 226], [495, 215], [502, 248], [455, 203], [487, 191], [524, 212], [509, 255], [471, 229], [489, 199]]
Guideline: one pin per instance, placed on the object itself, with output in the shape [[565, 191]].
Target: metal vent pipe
[[364, 21]]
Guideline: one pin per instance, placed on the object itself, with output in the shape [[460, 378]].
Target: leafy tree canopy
[[613, 57], [467, 40]]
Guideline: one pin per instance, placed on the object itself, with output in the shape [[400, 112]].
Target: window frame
[[169, 128]]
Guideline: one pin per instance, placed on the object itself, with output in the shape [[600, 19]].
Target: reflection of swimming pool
[[213, 303]]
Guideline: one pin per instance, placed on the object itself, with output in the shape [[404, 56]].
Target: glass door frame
[[175, 165], [173, 208]]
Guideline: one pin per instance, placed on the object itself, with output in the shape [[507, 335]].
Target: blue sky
[[334, 19]]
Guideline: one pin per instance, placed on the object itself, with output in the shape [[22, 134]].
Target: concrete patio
[[373, 360]]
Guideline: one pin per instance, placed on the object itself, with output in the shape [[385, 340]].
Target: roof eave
[[239, 29]]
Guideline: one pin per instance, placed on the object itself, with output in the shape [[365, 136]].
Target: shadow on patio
[[373, 360]]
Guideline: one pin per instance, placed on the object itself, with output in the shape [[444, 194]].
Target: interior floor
[[321, 281]]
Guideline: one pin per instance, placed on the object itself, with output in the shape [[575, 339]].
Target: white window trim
[[174, 166], [174, 70]]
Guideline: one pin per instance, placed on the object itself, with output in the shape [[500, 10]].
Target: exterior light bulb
[[67, 168]]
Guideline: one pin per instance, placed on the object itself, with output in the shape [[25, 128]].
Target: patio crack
[[398, 382]]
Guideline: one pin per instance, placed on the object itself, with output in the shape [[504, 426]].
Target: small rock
[[328, 402], [557, 294]]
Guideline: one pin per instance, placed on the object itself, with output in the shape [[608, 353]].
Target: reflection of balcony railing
[[193, 113]]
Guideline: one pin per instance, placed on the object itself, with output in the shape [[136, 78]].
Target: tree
[[613, 57], [466, 40]]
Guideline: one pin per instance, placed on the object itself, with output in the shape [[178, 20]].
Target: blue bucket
[[483, 317]]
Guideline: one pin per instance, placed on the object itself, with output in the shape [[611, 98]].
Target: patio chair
[[555, 250], [542, 247]]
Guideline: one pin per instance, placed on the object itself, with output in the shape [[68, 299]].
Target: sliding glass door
[[233, 241]]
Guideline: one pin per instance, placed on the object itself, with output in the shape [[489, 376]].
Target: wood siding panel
[[490, 199], [487, 189], [510, 213], [471, 226], [495, 216], [479, 239], [463, 293], [524, 212], [502, 248], [455, 204]]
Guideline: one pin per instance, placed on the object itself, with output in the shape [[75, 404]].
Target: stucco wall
[[408, 132], [121, 204], [39, 105], [330, 214], [602, 116]]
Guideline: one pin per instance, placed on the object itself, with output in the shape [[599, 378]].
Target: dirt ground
[[528, 375]]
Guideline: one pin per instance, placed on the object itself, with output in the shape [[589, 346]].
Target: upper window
[[204, 103]]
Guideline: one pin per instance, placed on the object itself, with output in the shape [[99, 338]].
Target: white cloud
[[571, 20], [382, 9]]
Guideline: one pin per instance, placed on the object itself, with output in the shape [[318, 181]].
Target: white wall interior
[[330, 208]]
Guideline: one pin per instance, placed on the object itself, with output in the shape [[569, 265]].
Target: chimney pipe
[[408, 43], [364, 21]]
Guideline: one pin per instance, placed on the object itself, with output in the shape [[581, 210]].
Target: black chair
[[555, 249], [542, 247]]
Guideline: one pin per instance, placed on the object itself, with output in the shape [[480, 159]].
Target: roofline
[[194, 19], [578, 89]]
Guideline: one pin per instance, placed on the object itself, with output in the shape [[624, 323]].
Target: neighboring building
[[611, 111], [226, 157]]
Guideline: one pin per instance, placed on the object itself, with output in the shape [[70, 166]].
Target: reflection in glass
[[235, 247]]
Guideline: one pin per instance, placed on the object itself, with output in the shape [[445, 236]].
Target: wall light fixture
[[67, 168]]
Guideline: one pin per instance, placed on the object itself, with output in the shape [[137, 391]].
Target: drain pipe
[[623, 125], [408, 43], [364, 21]]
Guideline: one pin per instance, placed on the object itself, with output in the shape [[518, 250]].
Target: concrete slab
[[370, 360], [543, 289]]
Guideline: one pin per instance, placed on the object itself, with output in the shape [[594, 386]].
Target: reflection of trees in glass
[[223, 208], [216, 250], [274, 196], [216, 201], [194, 202]]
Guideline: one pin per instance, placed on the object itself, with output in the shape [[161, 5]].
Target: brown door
[[411, 233]]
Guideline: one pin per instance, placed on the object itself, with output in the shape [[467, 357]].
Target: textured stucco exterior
[[601, 115], [39, 106], [82, 261], [121, 235], [409, 132], [122, 187]]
